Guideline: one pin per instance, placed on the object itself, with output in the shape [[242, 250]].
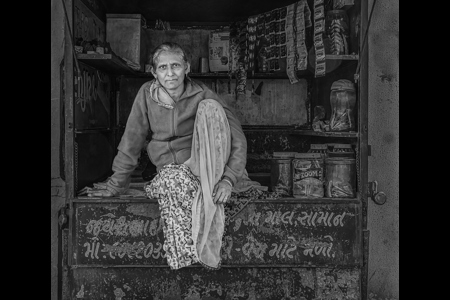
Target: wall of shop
[[383, 221], [57, 184]]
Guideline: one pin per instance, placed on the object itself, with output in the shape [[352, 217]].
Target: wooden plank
[[264, 233], [362, 8], [227, 283], [108, 63], [279, 102], [342, 57]]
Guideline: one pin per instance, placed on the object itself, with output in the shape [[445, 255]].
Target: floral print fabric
[[175, 187]]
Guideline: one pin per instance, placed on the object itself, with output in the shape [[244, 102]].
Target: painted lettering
[[90, 250], [313, 247], [123, 227], [136, 250]]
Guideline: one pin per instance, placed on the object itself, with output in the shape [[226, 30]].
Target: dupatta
[[211, 146]]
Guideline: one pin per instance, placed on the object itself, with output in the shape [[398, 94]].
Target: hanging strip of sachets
[[319, 29], [298, 19], [239, 54], [251, 43]]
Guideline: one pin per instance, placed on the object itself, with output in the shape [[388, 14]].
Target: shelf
[[342, 57], [218, 75], [109, 63], [116, 65], [292, 130], [292, 200], [326, 134]]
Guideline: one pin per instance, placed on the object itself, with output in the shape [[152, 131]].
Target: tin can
[[340, 179], [203, 66], [307, 175], [281, 173]]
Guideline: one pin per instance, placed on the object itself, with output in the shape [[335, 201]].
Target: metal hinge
[[369, 150], [372, 192]]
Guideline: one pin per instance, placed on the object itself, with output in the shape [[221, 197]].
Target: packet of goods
[[219, 48], [308, 176]]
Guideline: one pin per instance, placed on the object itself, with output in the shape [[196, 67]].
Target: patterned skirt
[[175, 187]]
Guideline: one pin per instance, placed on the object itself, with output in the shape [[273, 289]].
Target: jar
[[336, 29], [340, 179], [281, 173], [307, 175], [342, 100]]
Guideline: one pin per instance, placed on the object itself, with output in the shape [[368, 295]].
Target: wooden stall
[[281, 248]]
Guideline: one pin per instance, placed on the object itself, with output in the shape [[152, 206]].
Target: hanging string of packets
[[266, 39], [298, 19], [280, 34], [319, 29]]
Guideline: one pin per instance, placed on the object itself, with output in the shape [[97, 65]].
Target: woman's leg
[[211, 145]]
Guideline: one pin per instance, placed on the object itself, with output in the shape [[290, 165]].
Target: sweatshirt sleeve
[[238, 156], [131, 144]]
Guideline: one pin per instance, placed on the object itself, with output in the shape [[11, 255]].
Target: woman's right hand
[[99, 190], [99, 193]]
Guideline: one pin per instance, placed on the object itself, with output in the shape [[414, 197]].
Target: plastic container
[[307, 175], [340, 179], [342, 100], [281, 172]]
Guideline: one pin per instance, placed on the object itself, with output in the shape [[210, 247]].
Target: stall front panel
[[257, 233]]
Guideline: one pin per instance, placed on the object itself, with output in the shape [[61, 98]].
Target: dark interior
[[182, 12]]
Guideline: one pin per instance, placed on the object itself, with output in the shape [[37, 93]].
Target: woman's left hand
[[221, 192]]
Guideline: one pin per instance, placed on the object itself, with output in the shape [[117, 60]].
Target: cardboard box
[[219, 49], [124, 34]]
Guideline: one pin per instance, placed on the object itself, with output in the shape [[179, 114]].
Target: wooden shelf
[[249, 75], [342, 57], [113, 64], [125, 199], [326, 133], [292, 130], [109, 63]]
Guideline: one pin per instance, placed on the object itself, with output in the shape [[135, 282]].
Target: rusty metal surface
[[264, 233], [337, 284], [226, 283]]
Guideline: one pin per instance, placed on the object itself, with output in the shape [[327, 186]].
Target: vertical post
[[363, 142], [69, 136], [68, 107]]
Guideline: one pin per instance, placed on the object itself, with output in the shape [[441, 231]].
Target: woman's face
[[171, 70]]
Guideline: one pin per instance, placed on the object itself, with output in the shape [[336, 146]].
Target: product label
[[307, 178]]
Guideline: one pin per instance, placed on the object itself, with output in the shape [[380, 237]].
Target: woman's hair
[[167, 46]]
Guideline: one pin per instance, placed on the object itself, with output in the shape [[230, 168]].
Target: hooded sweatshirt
[[172, 130]]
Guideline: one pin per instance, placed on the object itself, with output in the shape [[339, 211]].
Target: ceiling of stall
[[193, 11]]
